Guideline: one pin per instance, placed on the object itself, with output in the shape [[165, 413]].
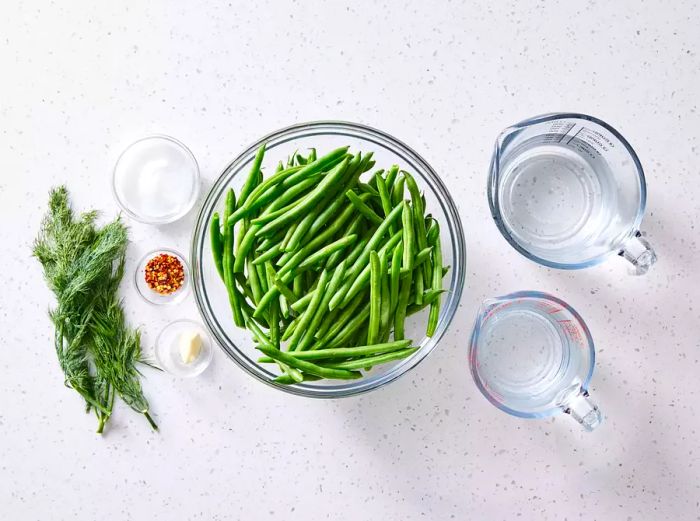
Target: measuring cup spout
[[486, 306], [639, 253], [582, 409]]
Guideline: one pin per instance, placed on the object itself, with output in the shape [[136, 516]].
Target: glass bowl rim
[[454, 228], [193, 197]]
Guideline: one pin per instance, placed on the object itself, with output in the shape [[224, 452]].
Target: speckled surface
[[83, 79]]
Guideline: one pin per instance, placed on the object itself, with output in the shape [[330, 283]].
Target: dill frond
[[83, 266]]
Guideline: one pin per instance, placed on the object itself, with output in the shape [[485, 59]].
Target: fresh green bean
[[260, 269], [269, 242], [385, 307], [275, 324], [244, 247], [322, 164], [287, 293], [428, 297], [300, 230], [373, 360], [394, 279], [290, 329], [397, 191], [317, 218], [374, 241], [436, 286], [217, 244], [254, 282], [400, 314], [268, 255], [422, 257], [386, 200], [418, 220], [332, 324], [300, 304], [364, 187], [375, 296], [328, 213], [253, 177], [303, 302], [356, 250], [227, 263], [239, 235], [324, 252], [418, 286], [284, 307], [278, 197], [261, 337], [309, 312], [353, 287], [391, 177], [329, 180], [271, 294], [291, 176], [408, 238], [270, 215], [297, 284], [308, 338], [305, 366], [346, 352], [308, 256], [433, 231], [288, 236], [361, 207], [285, 379], [350, 328], [245, 286]]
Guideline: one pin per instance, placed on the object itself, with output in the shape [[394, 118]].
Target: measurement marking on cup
[[563, 136], [572, 137]]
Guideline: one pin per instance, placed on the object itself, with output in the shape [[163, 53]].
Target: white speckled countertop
[[82, 79]]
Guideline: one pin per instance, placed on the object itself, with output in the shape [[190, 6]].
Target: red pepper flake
[[164, 274]]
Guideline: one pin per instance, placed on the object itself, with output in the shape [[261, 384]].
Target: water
[[529, 354], [558, 202], [156, 179]]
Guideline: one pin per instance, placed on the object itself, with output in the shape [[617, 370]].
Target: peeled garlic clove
[[190, 346]]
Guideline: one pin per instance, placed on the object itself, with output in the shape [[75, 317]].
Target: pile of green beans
[[323, 268]]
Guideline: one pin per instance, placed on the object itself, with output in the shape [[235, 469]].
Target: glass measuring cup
[[567, 190], [531, 355]]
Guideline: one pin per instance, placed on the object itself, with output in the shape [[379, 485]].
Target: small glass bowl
[[210, 293], [144, 168], [153, 297], [168, 349]]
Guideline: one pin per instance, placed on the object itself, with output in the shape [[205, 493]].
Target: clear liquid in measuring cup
[[532, 356], [558, 198], [529, 354]]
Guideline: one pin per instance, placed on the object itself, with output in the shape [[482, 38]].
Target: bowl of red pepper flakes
[[162, 277]]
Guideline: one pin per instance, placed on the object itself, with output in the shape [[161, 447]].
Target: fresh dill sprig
[[83, 266]]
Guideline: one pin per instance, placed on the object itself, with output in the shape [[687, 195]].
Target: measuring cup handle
[[639, 252], [583, 410]]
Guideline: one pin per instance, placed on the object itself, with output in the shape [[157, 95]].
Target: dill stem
[[150, 420]]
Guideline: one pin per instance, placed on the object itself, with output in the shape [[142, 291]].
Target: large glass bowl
[[210, 292]]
